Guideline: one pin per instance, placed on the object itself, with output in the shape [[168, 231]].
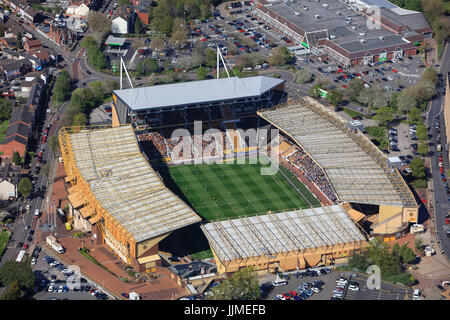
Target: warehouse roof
[[125, 185], [115, 41], [358, 171], [195, 92], [268, 235]]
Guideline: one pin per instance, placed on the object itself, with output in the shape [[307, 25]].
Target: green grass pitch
[[218, 191]]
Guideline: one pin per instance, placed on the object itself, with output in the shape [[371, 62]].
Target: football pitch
[[219, 191]]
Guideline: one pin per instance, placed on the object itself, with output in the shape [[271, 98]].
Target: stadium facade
[[351, 32], [115, 191], [148, 105]]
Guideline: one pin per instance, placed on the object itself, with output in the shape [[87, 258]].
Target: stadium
[[141, 196]]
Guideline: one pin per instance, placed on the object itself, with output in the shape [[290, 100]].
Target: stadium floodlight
[[122, 65], [219, 55]]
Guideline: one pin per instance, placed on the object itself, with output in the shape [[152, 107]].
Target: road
[[441, 202]]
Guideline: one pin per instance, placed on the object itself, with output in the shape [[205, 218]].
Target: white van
[[279, 282], [416, 295]]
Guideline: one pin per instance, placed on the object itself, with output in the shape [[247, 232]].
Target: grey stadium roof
[[271, 234], [195, 92]]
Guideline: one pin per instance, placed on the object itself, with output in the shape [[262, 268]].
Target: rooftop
[[358, 171], [125, 185], [115, 41], [195, 92], [271, 234]]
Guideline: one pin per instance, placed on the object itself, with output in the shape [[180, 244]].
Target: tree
[[359, 262], [62, 87], [54, 145], [415, 116], [17, 271], [335, 97], [45, 170], [12, 292], [109, 86], [417, 168], [147, 66], [82, 99], [422, 132], [354, 87], [138, 26], [423, 148], [408, 255], [97, 89], [242, 285], [279, 56], [395, 249], [99, 22], [5, 109], [123, 3], [210, 58], [17, 159], [418, 244], [26, 159], [202, 73], [384, 116], [80, 119], [304, 76], [24, 187], [430, 75]]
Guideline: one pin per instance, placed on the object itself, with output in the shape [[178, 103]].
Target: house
[[42, 55], [35, 62], [32, 44], [8, 190], [10, 54], [119, 25], [62, 36], [77, 10], [9, 42], [143, 16], [13, 69]]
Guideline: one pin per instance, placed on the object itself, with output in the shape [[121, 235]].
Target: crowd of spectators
[[157, 140], [312, 172]]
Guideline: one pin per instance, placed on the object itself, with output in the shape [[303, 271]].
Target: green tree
[[430, 75], [418, 244], [202, 73], [210, 58], [17, 159], [415, 116], [12, 292], [423, 148], [24, 187], [99, 22], [304, 76], [354, 88], [17, 271], [242, 285], [83, 99], [405, 101], [417, 168], [422, 132], [408, 255], [138, 26], [97, 89], [80, 119], [26, 159], [45, 170], [395, 249], [5, 109], [335, 97], [359, 262], [279, 56], [384, 116], [62, 87], [147, 66], [109, 86]]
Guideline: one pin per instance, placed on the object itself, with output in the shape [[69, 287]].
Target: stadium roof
[[195, 92], [114, 41], [125, 185], [358, 171], [268, 235]]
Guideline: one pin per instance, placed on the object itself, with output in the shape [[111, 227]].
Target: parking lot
[[329, 287], [52, 281]]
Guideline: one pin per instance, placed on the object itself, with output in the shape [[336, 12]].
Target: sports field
[[219, 191]]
